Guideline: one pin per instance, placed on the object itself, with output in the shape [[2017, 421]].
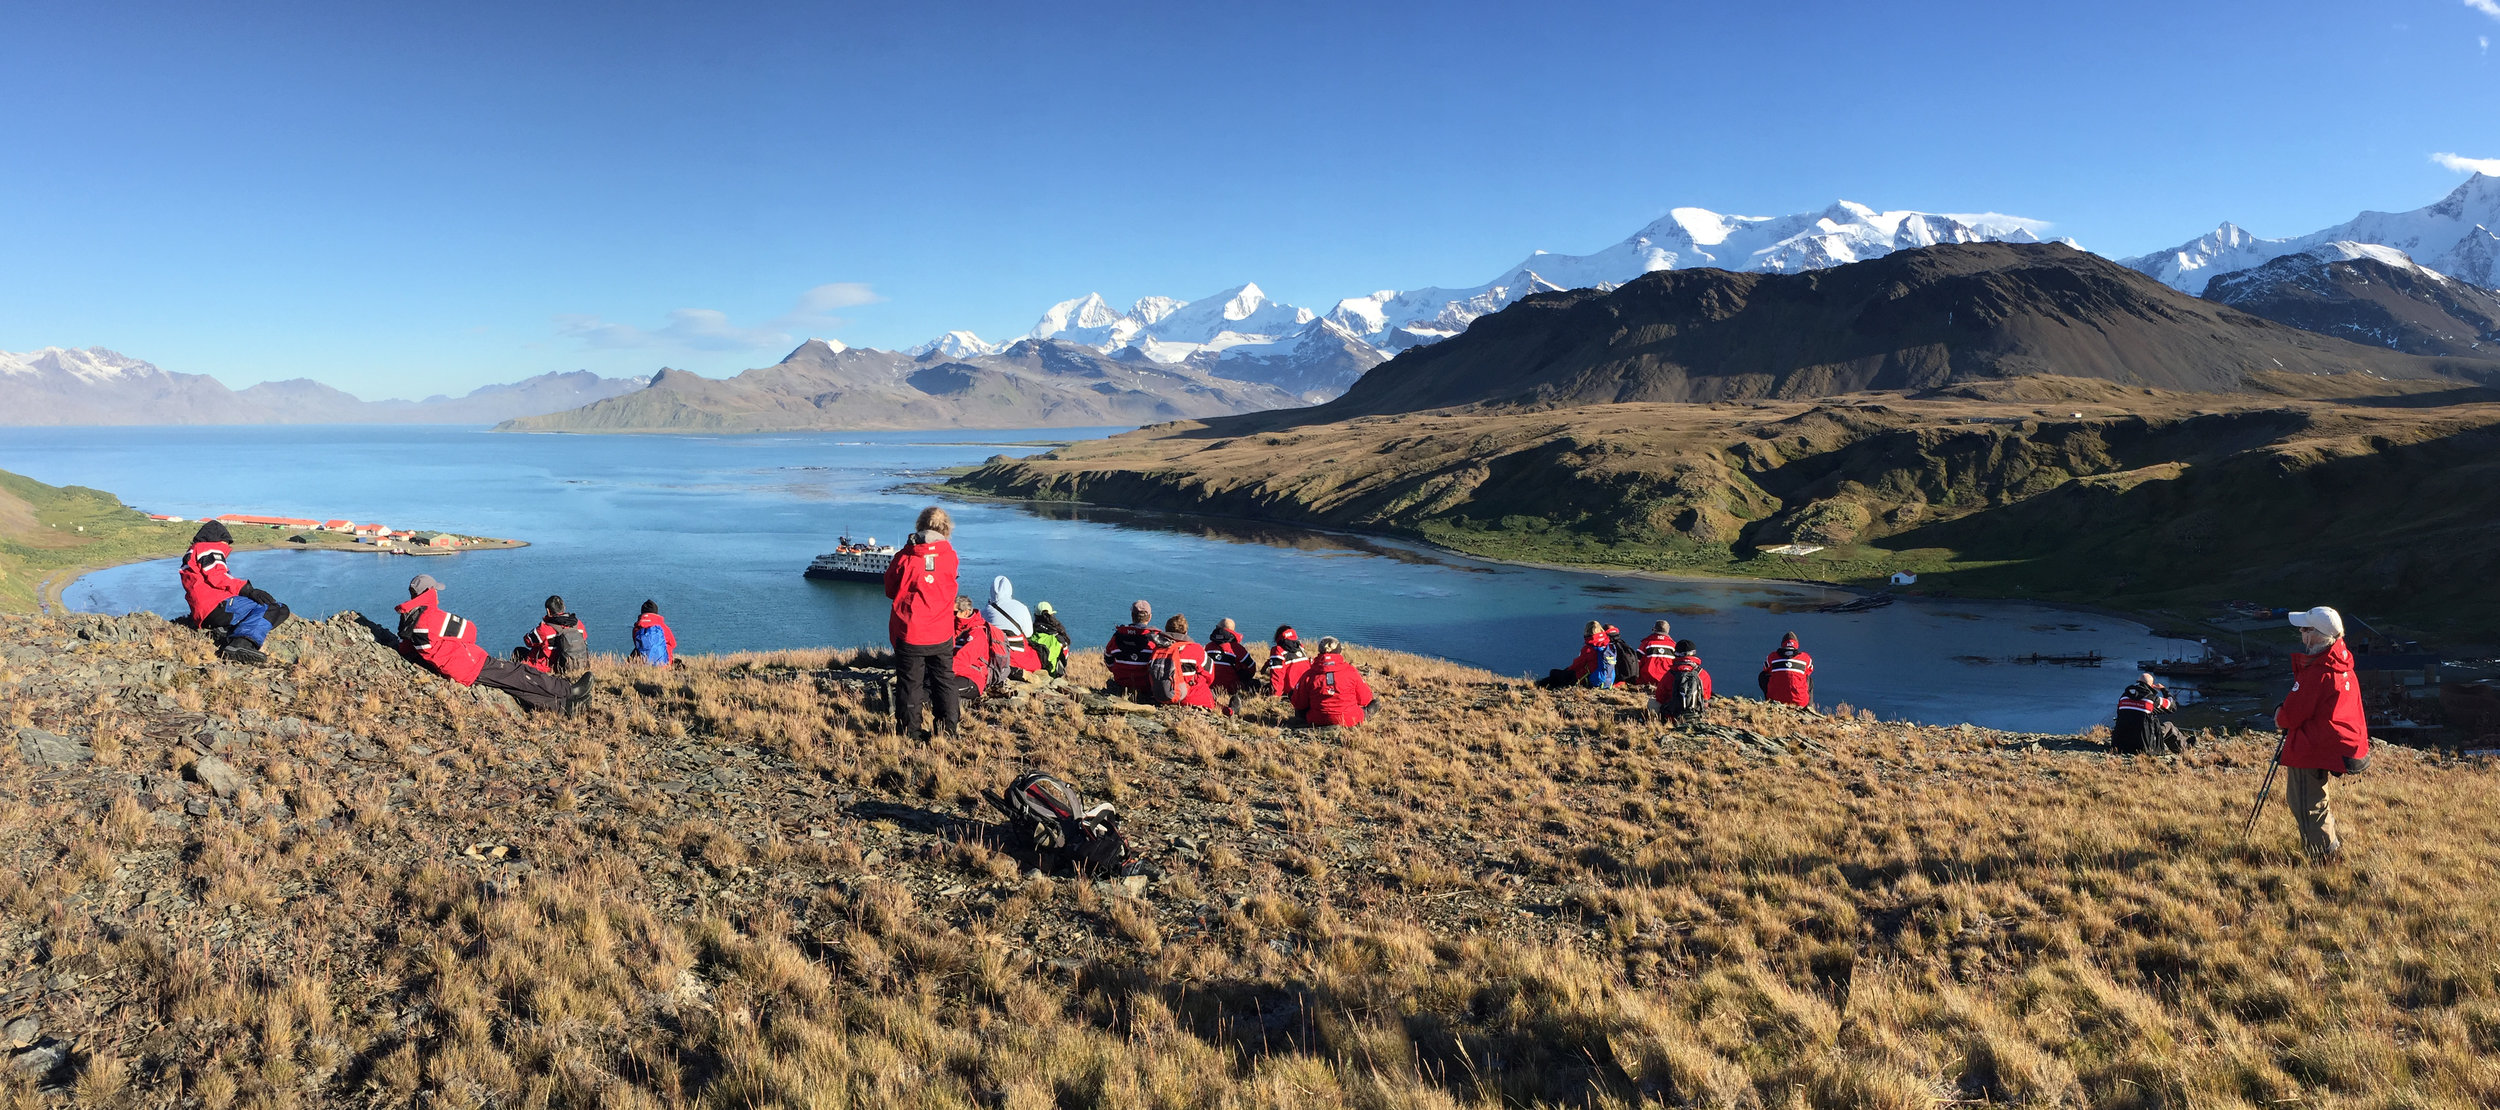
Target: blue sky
[[421, 200]]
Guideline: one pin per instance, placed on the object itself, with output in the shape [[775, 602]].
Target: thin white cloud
[[2463, 164], [2487, 7], [706, 329], [2483, 41]]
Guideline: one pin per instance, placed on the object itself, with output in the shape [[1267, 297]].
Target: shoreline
[[49, 591], [2152, 622]]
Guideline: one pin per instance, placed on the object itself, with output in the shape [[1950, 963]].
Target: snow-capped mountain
[[956, 344], [1240, 333], [2368, 294], [2454, 237]]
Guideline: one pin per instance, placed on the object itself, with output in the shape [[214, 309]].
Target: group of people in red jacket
[[241, 617], [948, 653], [1672, 669], [1165, 665]]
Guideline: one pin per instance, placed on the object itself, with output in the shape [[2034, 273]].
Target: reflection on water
[[717, 528]]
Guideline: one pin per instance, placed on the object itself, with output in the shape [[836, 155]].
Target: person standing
[[654, 642], [1788, 674], [239, 615], [921, 580], [446, 644], [2325, 734]]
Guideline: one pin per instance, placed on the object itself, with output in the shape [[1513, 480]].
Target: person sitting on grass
[[1595, 665], [2139, 727], [1657, 653], [559, 645], [1187, 664], [979, 663], [1230, 667], [238, 614], [1130, 649], [1686, 689], [1050, 639], [447, 645], [654, 643], [1331, 692], [1285, 662], [1788, 674]]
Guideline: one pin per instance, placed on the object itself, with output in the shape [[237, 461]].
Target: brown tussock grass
[[732, 885]]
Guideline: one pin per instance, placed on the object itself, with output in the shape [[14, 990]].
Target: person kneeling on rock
[[238, 614], [447, 645]]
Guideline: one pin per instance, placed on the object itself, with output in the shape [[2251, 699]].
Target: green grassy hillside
[[50, 533]]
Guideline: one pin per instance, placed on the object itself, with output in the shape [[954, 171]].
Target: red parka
[[206, 582], [1228, 661], [1127, 653], [2322, 720], [1285, 670], [921, 580], [976, 643], [1664, 693], [1190, 659], [1332, 692], [1593, 655], [538, 648], [438, 641], [1788, 677], [1657, 654]]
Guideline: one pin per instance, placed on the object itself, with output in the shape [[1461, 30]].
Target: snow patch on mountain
[[92, 365], [2453, 237]]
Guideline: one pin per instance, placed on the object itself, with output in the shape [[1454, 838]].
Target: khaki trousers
[[2306, 790]]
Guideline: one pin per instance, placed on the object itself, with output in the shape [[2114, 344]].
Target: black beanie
[[555, 604], [212, 531], [650, 607]]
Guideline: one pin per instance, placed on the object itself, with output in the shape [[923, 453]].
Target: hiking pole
[[2266, 789]]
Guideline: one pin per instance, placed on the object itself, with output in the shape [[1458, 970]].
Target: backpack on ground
[[1688, 697], [1052, 820], [1627, 660]]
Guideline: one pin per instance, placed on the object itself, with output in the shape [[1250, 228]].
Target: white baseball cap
[[2326, 621]]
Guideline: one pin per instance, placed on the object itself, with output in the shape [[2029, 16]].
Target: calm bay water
[[717, 529]]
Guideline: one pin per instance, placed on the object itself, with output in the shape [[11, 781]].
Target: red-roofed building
[[374, 531], [270, 521], [338, 526]]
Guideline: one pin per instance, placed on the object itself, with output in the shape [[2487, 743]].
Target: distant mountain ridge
[[59, 385], [1922, 319], [2458, 236], [825, 385], [1240, 333]]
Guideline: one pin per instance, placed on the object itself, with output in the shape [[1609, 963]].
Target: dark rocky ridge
[[1911, 320], [2369, 302]]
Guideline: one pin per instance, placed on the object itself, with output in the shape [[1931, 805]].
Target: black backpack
[[1688, 697], [1627, 659], [1049, 818]]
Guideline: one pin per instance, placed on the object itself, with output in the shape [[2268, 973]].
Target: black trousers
[[923, 673], [533, 689]]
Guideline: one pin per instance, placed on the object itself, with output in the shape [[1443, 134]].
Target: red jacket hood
[[421, 601], [649, 619], [2336, 659]]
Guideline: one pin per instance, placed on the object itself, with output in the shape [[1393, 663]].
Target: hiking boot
[[241, 651]]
